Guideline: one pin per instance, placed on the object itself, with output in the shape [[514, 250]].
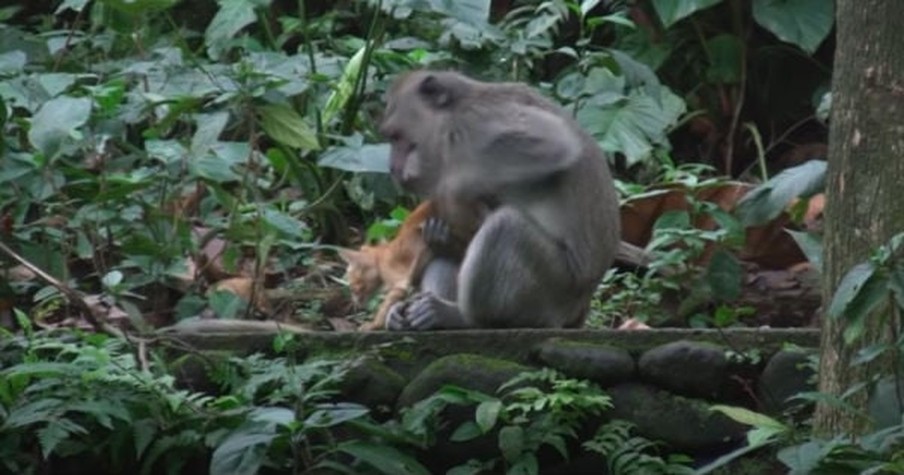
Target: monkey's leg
[[516, 274], [439, 281]]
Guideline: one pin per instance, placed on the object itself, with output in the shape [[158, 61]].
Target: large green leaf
[[768, 200], [286, 126], [134, 7], [57, 121], [634, 125], [12, 62], [384, 458], [356, 156], [851, 285], [670, 11], [232, 16], [805, 23], [241, 453]]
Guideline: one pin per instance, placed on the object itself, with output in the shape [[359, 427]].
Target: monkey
[[548, 224]]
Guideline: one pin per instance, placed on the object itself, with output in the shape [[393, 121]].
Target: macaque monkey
[[536, 184]]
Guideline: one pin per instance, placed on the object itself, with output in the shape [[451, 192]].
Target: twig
[[94, 316]]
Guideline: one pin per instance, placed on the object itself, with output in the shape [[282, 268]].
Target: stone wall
[[663, 381]]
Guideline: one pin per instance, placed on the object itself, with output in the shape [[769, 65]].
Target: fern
[[627, 454]]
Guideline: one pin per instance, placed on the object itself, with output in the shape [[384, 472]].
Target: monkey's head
[[415, 122]]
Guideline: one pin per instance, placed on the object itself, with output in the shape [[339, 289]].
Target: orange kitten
[[386, 266]]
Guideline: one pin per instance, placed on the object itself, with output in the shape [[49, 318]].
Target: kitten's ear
[[350, 256]]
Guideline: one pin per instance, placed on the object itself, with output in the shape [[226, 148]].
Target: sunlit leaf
[[286, 126]]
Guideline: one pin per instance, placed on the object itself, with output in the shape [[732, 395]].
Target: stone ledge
[[512, 344]]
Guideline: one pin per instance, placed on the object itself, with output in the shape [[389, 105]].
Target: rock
[[786, 374], [689, 368], [373, 384], [603, 364], [683, 423], [468, 371]]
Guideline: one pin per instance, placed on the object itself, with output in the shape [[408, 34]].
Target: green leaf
[[286, 126], [75, 5], [143, 433], [724, 275], [873, 293], [137, 7], [384, 458], [805, 23], [850, 286], [511, 442], [242, 453], [767, 201], [225, 304], [475, 12], [670, 11], [468, 430], [213, 168], [748, 417], [357, 157], [487, 414], [331, 415], [57, 121], [288, 225], [525, 465], [634, 125], [232, 16], [50, 436], [207, 132], [12, 62], [810, 244], [675, 219], [345, 87]]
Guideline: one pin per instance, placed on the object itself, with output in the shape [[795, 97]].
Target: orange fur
[[387, 267]]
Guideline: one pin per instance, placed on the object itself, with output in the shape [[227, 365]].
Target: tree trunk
[[865, 204]]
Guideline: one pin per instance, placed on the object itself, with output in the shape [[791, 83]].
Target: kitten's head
[[362, 273]]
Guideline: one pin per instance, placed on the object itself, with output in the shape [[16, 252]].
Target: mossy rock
[[474, 372], [603, 364], [373, 384], [689, 368], [685, 424]]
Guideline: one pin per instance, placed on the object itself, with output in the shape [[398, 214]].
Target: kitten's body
[[387, 267]]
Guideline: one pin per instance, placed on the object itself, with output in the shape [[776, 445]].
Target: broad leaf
[[805, 23], [286, 126], [242, 453], [12, 62], [633, 126], [384, 458], [356, 156], [511, 442], [810, 244], [56, 121], [746, 416], [135, 7], [487, 413], [849, 287], [767, 201], [670, 11], [232, 16], [330, 415]]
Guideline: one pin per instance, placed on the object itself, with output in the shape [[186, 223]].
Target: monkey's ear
[[435, 91]]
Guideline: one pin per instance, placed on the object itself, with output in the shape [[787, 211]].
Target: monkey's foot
[[429, 312]]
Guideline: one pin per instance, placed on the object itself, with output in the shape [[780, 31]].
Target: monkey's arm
[[532, 145]]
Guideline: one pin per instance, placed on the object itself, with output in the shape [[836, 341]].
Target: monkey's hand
[[397, 317], [438, 236]]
